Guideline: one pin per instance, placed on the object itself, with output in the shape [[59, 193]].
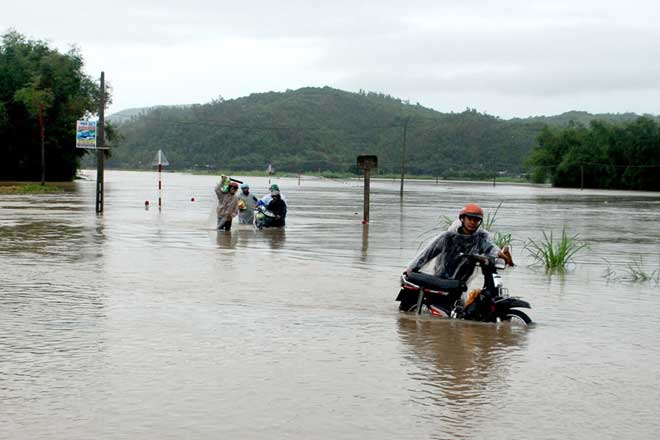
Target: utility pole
[[42, 131], [100, 146], [403, 153]]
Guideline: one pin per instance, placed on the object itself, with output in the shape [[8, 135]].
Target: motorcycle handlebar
[[480, 258]]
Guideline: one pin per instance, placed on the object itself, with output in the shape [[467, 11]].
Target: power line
[[619, 166], [577, 164], [270, 127]]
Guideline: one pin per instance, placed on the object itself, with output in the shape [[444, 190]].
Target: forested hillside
[[600, 155], [313, 129]]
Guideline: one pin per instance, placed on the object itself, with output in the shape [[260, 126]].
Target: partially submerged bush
[[502, 240], [635, 271], [489, 220], [554, 254]]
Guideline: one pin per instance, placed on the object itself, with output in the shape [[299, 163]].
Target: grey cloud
[[529, 51]]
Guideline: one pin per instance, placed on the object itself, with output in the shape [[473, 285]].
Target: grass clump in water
[[637, 273], [489, 221], [555, 254], [502, 240]]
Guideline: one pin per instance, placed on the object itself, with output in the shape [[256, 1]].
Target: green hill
[[583, 118], [313, 129]]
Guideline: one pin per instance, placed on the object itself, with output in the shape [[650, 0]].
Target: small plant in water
[[502, 240], [637, 273], [555, 254], [489, 221], [446, 221], [610, 274]]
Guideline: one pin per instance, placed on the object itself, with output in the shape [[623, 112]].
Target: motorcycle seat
[[435, 283]]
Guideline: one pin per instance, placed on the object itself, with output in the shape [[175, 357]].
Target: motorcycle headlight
[[500, 263]]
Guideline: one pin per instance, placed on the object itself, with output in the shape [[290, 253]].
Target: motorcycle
[[426, 294], [264, 218]]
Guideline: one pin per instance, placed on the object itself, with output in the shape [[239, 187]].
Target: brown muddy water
[[150, 325]]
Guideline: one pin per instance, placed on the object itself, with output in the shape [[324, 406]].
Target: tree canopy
[[601, 155], [33, 75]]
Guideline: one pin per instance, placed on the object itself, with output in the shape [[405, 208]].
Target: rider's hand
[[408, 271], [506, 255]]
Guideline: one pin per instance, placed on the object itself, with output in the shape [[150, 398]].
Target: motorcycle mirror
[[500, 263]]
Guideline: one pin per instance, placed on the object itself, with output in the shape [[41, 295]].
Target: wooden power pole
[[42, 133], [403, 153], [99, 148]]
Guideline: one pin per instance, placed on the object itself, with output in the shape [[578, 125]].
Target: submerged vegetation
[[554, 254], [501, 239], [636, 271]]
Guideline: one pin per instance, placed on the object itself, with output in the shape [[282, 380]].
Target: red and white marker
[[160, 161]]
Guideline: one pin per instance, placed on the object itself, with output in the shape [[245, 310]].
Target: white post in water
[[160, 161], [270, 172]]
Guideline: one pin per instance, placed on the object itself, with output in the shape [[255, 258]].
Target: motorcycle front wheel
[[517, 317]]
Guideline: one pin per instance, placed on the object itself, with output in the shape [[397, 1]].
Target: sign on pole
[[86, 134], [160, 159], [366, 164]]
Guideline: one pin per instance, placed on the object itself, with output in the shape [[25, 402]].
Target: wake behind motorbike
[[426, 294]]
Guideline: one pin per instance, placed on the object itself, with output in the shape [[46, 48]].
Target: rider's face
[[470, 224]]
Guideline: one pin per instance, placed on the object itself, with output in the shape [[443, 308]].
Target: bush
[[554, 254]]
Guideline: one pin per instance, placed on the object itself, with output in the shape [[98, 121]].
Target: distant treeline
[[324, 129], [600, 155]]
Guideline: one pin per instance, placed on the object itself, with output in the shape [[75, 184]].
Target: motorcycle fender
[[407, 294], [511, 303]]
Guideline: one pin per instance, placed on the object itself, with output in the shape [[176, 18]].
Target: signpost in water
[[89, 134], [160, 161], [367, 163]]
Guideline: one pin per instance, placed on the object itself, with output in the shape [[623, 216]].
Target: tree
[[33, 75], [602, 155]]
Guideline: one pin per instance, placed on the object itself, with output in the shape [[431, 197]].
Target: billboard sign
[[86, 134]]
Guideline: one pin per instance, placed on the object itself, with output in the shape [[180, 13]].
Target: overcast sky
[[506, 57]]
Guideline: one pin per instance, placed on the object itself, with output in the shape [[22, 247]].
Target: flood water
[[145, 324]]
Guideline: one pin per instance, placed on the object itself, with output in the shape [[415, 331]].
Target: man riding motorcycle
[[449, 247]]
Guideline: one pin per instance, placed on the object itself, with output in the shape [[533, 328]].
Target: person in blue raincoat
[[247, 203]]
